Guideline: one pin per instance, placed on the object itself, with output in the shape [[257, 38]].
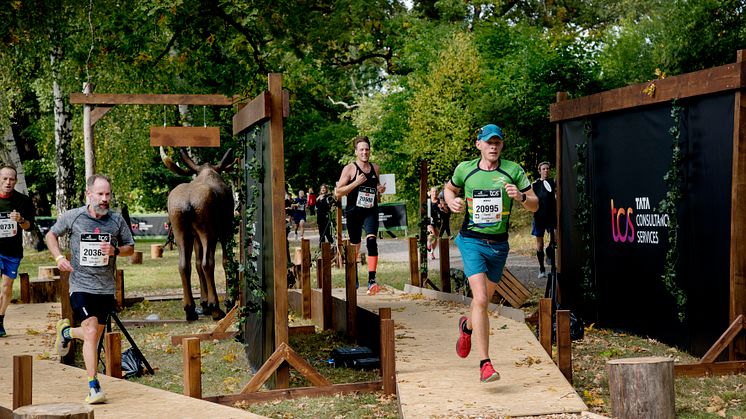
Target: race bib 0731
[[487, 206], [90, 249], [8, 227], [366, 197]]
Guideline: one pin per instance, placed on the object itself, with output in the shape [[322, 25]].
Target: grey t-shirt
[[92, 273]]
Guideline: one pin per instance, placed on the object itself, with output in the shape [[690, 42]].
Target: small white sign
[[390, 183]]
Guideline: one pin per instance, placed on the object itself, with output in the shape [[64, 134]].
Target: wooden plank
[[305, 276], [738, 215], [305, 369], [149, 99], [297, 392], [98, 112], [414, 264], [512, 289], [718, 79], [258, 110], [723, 341], [226, 321], [388, 356], [445, 265], [177, 340], [192, 357], [423, 228], [564, 347], [545, 324], [326, 286], [266, 370], [22, 380], [715, 368], [185, 136], [302, 330], [351, 291]]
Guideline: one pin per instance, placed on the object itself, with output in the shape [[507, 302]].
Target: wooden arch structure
[[625, 133]]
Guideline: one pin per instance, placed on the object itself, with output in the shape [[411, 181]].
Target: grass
[[226, 371]]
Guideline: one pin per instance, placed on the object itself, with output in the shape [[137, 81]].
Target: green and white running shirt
[[487, 204]]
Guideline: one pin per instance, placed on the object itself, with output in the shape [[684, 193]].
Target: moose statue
[[201, 214]]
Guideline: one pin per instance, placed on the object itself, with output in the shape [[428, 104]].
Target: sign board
[[390, 182], [185, 136], [391, 216]]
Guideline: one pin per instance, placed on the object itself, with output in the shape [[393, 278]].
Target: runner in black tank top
[[362, 190]]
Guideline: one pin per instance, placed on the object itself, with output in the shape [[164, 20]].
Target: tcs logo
[[622, 228]]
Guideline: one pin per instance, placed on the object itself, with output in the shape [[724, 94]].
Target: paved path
[[31, 331]]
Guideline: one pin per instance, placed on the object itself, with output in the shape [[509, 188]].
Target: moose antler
[[172, 166]]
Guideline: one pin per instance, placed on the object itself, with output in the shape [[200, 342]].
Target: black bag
[[132, 365], [360, 357]]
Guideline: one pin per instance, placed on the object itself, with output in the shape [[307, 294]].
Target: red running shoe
[[488, 374], [373, 289], [463, 345]]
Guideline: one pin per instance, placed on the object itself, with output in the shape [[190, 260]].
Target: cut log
[[156, 251], [43, 290], [54, 411], [136, 258], [48, 272], [641, 388]]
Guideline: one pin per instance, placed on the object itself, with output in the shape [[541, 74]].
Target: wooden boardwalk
[[31, 331], [433, 382]]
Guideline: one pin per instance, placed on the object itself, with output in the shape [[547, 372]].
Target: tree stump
[[641, 388], [54, 411], [156, 251], [43, 290], [136, 258], [48, 272]]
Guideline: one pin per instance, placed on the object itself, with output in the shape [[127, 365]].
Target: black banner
[[391, 217]]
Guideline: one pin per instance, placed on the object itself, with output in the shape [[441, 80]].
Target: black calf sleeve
[[370, 244]]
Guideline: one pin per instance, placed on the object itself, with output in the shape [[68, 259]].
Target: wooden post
[[641, 388], [119, 289], [445, 265], [25, 288], [136, 258], [89, 143], [737, 294], [545, 324], [561, 96], [423, 228], [351, 288], [54, 411], [414, 264], [22, 380], [384, 313], [388, 356], [113, 348], [66, 312], [47, 272], [319, 273], [326, 286], [305, 276], [156, 251], [192, 368], [43, 290], [340, 248], [564, 347]]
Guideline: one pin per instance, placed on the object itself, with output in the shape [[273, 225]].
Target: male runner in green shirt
[[491, 185]]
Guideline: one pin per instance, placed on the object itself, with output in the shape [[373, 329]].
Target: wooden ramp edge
[[433, 381], [31, 331]]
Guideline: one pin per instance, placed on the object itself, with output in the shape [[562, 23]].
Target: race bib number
[[487, 206], [8, 227], [90, 249], [366, 197]]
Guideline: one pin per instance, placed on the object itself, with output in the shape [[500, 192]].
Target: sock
[[93, 382], [540, 256], [465, 329], [66, 334], [2, 316], [484, 361]]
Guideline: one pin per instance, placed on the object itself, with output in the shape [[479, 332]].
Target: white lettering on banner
[[90, 249], [366, 197], [8, 227], [487, 206]]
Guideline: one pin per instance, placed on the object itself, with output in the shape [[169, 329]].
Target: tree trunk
[[641, 388], [65, 176]]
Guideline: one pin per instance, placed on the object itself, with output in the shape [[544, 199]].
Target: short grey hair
[[93, 178]]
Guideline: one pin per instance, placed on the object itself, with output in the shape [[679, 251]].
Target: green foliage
[[583, 215]]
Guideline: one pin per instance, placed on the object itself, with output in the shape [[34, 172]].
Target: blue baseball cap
[[489, 131]]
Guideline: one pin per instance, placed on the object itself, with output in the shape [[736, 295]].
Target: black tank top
[[364, 196]]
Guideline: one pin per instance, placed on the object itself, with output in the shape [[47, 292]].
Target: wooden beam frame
[[110, 99], [219, 332], [294, 393], [707, 364]]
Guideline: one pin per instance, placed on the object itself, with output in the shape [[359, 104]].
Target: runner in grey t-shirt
[[97, 237]]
